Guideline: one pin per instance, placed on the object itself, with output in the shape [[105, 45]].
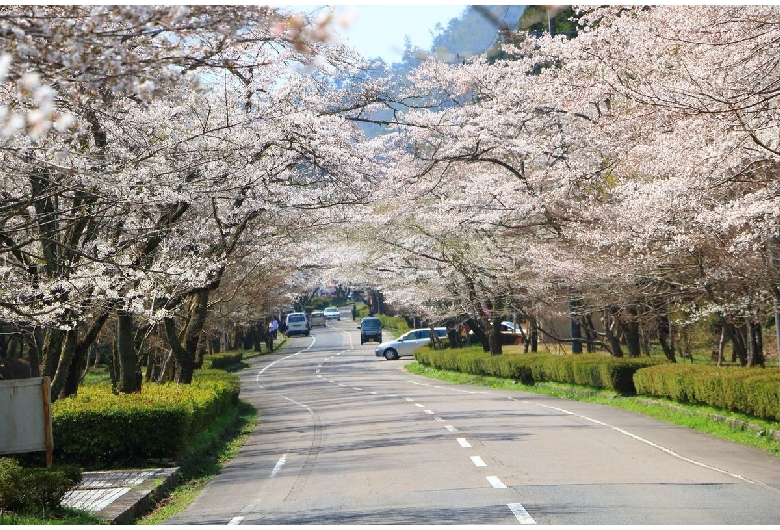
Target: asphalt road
[[346, 437]]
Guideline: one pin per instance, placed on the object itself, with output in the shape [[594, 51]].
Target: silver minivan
[[297, 324]]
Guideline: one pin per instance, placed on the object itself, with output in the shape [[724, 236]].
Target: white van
[[297, 324]]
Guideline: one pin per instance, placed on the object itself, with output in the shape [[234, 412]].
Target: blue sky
[[379, 30]]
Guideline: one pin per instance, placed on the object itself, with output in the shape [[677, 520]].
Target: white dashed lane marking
[[478, 461], [495, 482], [279, 465], [520, 513]]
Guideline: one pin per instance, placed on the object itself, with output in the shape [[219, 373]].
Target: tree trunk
[[586, 323], [495, 337], [664, 337], [754, 344], [127, 380], [724, 336], [184, 363], [738, 345], [574, 326], [630, 327], [479, 334], [168, 369], [610, 325], [453, 335], [435, 339], [75, 373], [68, 350], [35, 342], [200, 350], [239, 337], [186, 353], [52, 347]]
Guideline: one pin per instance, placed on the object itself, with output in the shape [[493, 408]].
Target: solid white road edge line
[[648, 442], [634, 436]]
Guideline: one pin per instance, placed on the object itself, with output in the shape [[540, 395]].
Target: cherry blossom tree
[[630, 167], [193, 131]]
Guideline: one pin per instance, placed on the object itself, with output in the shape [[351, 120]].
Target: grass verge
[[737, 428], [67, 516], [208, 454]]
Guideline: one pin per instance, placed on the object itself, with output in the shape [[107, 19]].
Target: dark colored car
[[370, 329]]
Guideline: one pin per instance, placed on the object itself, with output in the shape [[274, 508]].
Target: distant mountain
[[475, 32]]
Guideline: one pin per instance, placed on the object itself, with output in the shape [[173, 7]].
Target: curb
[[119, 497]]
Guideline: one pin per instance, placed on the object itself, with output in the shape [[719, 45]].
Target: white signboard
[[25, 416]]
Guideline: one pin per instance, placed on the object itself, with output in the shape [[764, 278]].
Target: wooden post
[[46, 391]]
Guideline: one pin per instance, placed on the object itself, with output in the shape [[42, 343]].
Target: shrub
[[397, 323], [752, 391], [222, 360], [34, 490], [97, 428], [598, 371]]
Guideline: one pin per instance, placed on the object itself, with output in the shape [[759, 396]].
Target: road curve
[[345, 437]]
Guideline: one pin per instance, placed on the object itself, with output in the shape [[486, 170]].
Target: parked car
[[317, 318], [332, 313], [405, 345], [512, 327], [297, 324], [370, 329], [512, 333]]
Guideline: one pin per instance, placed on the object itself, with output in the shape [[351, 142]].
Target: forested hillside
[[475, 32]]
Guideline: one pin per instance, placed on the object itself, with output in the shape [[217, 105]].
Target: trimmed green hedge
[[752, 391], [388, 322], [397, 323], [594, 370], [34, 490], [100, 429], [223, 360]]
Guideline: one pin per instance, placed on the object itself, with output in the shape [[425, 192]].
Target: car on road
[[297, 324], [317, 318], [370, 329], [332, 313], [405, 345]]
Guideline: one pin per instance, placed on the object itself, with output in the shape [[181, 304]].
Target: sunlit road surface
[[345, 437]]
